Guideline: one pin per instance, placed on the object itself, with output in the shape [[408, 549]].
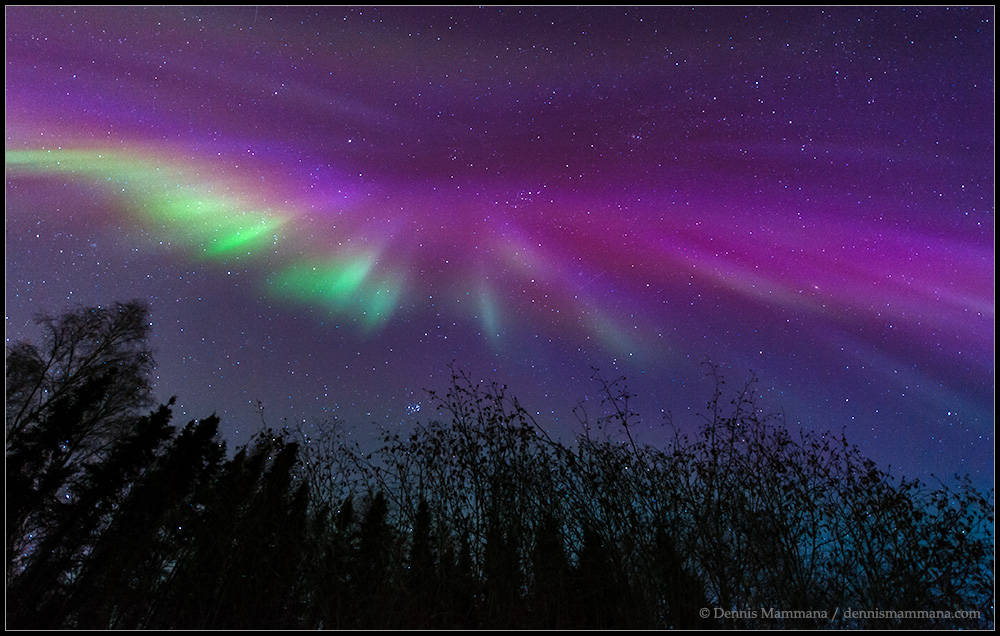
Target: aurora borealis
[[325, 206]]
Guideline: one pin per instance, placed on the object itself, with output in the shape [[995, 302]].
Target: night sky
[[326, 206]]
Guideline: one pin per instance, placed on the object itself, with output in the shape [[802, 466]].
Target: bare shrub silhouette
[[476, 519]]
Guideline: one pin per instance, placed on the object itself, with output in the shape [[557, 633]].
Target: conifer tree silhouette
[[477, 520]]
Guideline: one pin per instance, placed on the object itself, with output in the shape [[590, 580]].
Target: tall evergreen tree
[[372, 585], [198, 576], [259, 589], [68, 398], [422, 580], [40, 591], [128, 562], [116, 522]]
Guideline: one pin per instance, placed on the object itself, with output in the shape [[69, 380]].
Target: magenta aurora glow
[[327, 205]]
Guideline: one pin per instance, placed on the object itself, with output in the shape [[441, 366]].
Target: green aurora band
[[219, 226], [212, 222]]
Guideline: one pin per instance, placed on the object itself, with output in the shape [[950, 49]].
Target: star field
[[325, 206]]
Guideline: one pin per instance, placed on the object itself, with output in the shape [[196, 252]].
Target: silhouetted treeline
[[116, 519]]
